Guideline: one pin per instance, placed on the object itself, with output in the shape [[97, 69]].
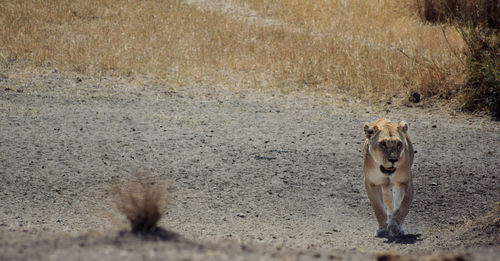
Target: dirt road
[[257, 174]]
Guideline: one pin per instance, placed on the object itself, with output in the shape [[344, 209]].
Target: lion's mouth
[[387, 171]]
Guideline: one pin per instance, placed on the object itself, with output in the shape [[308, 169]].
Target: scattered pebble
[[415, 97]]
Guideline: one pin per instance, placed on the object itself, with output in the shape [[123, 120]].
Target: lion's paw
[[394, 229], [383, 232]]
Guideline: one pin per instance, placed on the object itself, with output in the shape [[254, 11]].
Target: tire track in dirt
[[235, 10]]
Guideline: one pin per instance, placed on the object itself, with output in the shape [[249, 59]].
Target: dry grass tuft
[[142, 202], [436, 83], [486, 227], [394, 256]]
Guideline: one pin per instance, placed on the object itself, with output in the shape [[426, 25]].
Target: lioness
[[388, 156]]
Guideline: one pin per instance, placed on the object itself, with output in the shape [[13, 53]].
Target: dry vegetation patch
[[478, 22], [486, 227], [394, 256], [370, 50], [142, 202]]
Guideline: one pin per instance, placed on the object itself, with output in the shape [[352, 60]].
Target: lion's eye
[[400, 144], [382, 144]]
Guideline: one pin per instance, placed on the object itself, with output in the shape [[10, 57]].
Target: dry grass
[[486, 227], [478, 23], [371, 50], [142, 202], [394, 256]]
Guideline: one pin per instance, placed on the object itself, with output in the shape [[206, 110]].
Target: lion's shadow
[[403, 239]]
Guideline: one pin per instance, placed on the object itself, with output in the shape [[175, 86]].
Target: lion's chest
[[376, 177]]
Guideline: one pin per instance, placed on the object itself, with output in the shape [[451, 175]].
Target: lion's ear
[[370, 130], [403, 127]]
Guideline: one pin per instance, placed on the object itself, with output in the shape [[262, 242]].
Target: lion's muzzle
[[387, 171]]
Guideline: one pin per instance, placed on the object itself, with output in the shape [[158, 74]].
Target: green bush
[[482, 84], [478, 12]]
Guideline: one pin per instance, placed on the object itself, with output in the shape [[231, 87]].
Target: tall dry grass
[[478, 22], [371, 50]]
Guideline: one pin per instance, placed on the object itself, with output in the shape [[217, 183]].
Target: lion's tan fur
[[387, 159]]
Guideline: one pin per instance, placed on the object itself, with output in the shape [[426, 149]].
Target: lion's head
[[387, 143]]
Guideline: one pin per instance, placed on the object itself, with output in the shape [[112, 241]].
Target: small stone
[[415, 97], [241, 215], [434, 184]]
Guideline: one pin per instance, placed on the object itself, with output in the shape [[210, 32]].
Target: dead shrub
[[142, 201]]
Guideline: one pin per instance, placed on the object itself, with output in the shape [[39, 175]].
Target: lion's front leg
[[375, 195], [402, 196]]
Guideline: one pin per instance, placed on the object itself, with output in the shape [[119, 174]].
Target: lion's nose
[[393, 160]]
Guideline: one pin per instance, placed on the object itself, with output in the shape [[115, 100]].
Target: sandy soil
[[258, 175]]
